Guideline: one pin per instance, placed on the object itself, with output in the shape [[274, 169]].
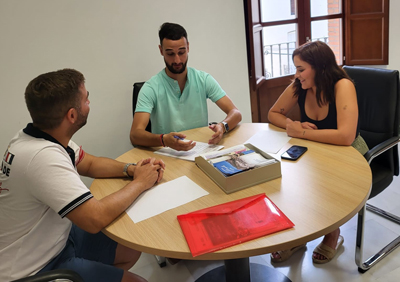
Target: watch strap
[[226, 126], [125, 170]]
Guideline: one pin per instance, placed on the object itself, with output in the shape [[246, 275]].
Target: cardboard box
[[243, 179]]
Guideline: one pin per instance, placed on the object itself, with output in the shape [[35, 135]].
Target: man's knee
[[125, 257]]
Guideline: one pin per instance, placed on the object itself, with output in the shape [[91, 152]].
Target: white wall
[[114, 44], [394, 35]]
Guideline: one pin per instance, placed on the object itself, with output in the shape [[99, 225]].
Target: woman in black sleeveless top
[[329, 114]]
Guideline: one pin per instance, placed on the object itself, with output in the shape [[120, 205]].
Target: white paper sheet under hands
[[190, 155], [164, 197], [269, 141]]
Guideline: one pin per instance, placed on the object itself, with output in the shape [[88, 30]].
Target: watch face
[[226, 126]]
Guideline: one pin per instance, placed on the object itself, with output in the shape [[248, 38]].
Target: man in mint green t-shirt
[[175, 99]]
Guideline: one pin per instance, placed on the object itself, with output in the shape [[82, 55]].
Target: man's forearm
[[101, 167], [114, 204], [144, 138], [93, 215], [233, 118]]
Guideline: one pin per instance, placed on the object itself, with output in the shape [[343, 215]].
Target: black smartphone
[[294, 152]]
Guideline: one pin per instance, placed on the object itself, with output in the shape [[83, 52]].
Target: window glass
[[329, 31], [279, 42], [325, 7], [277, 10]]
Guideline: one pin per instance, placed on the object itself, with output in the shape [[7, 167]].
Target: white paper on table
[[269, 141], [164, 197], [190, 155]]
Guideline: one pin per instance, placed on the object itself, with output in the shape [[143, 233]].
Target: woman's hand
[[308, 125], [298, 129]]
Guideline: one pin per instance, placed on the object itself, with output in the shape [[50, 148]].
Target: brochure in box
[[239, 167]]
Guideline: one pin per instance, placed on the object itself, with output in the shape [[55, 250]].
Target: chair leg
[[366, 265], [383, 213], [161, 261]]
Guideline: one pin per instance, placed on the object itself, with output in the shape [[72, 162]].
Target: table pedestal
[[241, 270]]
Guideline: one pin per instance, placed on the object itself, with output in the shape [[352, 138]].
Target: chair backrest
[[378, 104], [53, 275], [136, 90]]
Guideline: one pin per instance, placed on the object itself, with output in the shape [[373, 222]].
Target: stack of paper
[[190, 155]]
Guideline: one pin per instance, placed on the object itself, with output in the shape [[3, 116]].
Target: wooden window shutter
[[256, 57], [367, 32]]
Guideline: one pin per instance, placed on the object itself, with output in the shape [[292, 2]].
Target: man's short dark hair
[[49, 96], [171, 31]]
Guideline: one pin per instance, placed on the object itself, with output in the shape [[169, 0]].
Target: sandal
[[286, 254], [327, 251]]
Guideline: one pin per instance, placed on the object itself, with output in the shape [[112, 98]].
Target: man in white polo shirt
[[176, 98], [48, 217]]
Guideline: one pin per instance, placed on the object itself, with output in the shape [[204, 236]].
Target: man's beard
[[82, 120], [176, 71]]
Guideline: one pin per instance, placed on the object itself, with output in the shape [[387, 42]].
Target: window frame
[[303, 21], [261, 96]]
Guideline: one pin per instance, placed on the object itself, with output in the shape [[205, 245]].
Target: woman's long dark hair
[[327, 72]]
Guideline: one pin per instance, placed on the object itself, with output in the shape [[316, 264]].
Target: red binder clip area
[[232, 223]]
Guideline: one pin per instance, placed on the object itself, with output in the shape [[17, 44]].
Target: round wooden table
[[319, 192]]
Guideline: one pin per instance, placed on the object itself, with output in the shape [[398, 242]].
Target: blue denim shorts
[[90, 255]]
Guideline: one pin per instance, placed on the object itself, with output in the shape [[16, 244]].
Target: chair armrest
[[381, 148], [52, 275]]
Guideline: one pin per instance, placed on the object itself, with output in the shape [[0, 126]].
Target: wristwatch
[[125, 171], [226, 126]]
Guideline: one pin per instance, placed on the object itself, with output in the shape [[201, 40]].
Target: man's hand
[[148, 173], [159, 162], [219, 130], [93, 215], [175, 141]]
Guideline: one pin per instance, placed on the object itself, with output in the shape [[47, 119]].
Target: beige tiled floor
[[299, 267]]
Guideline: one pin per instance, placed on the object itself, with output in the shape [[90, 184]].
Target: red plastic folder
[[232, 223]]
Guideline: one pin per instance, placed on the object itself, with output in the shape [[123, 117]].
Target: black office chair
[[136, 90], [53, 275], [378, 101]]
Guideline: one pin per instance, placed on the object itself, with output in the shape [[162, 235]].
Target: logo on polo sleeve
[[8, 157], [6, 163]]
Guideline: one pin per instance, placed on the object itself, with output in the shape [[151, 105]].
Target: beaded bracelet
[[162, 140]]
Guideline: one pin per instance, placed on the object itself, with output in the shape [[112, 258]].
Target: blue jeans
[[90, 255]]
